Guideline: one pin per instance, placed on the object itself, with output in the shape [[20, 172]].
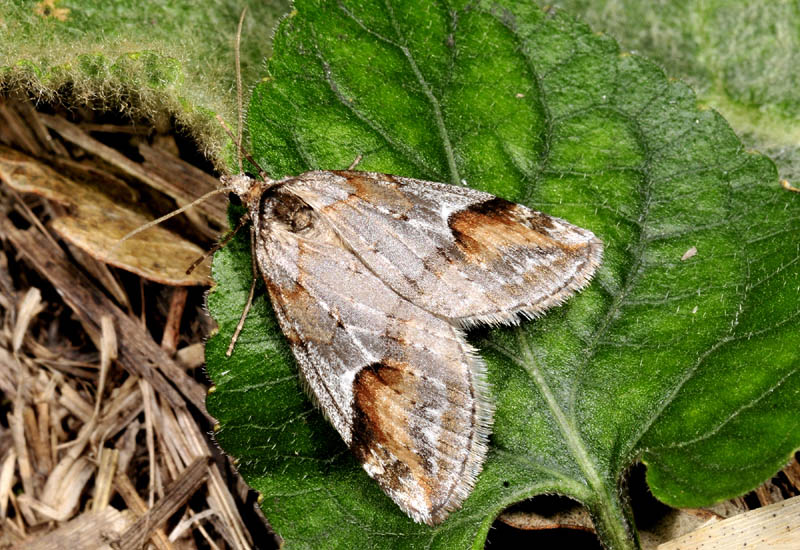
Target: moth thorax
[[290, 211]]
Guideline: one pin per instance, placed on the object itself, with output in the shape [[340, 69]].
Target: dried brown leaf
[[96, 224]]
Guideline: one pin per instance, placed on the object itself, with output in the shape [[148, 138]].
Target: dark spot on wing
[[491, 207], [288, 209], [372, 435], [483, 229], [503, 211]]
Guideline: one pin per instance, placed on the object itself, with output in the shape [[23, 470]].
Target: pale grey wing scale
[[400, 385], [461, 254]]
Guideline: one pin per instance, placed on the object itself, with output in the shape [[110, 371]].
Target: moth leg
[[355, 162], [221, 244], [249, 303]]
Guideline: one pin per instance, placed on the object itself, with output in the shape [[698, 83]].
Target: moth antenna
[[355, 162], [248, 305], [237, 55], [223, 242], [165, 217], [261, 172]]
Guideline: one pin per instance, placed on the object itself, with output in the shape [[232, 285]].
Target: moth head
[[248, 189], [238, 183]]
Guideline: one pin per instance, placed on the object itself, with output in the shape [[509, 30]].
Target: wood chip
[[90, 531], [104, 483], [46, 452], [15, 124], [792, 472], [169, 339], [62, 502], [115, 128], [6, 480], [16, 424], [100, 271], [29, 307], [75, 403], [138, 353], [34, 122], [108, 353], [128, 493], [8, 383], [192, 356], [175, 495]]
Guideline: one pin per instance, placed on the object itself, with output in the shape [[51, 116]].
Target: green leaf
[[688, 365], [752, 80]]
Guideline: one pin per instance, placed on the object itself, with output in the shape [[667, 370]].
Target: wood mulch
[[104, 436]]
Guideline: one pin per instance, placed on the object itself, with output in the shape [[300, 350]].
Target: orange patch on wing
[[484, 230], [383, 399]]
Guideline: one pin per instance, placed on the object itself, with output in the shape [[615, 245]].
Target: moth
[[373, 279]]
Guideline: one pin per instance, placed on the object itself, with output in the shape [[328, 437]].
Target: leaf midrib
[[602, 501], [571, 434]]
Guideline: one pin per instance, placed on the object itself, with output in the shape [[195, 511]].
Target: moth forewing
[[372, 277], [457, 252]]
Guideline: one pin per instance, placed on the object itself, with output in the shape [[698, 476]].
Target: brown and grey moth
[[373, 279]]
